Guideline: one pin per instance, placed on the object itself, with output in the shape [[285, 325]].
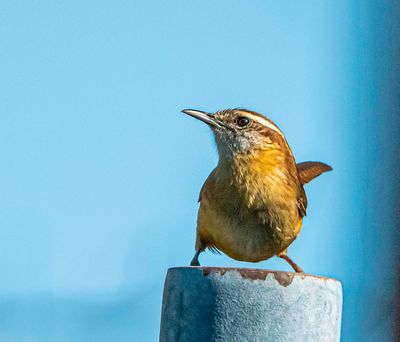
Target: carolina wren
[[252, 204]]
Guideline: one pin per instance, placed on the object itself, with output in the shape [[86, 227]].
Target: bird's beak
[[209, 119]]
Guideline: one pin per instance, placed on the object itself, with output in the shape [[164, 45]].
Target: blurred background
[[100, 172]]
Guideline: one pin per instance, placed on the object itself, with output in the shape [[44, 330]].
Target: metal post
[[228, 304]]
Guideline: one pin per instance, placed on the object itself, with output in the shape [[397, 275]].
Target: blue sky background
[[100, 172]]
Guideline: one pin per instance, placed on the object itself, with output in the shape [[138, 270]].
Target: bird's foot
[[194, 262], [295, 267]]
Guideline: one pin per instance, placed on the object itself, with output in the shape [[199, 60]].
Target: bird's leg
[[283, 255], [195, 260]]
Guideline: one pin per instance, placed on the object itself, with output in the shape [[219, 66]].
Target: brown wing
[[309, 170], [301, 197], [209, 179], [302, 201]]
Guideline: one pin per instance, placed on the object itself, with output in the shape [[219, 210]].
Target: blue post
[[226, 305]]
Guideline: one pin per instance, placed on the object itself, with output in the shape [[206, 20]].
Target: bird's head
[[241, 131]]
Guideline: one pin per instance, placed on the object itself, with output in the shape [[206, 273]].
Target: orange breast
[[249, 214]]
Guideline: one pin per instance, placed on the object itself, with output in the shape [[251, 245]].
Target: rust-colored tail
[[309, 170]]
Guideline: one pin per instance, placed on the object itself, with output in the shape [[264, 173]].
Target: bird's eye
[[242, 121]]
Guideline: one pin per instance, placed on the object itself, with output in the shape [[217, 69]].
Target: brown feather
[[309, 170], [302, 201]]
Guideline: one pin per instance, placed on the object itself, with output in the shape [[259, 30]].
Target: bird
[[253, 203]]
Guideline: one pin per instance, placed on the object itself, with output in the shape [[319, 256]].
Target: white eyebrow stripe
[[264, 122]]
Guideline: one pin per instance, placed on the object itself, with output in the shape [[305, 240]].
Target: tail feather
[[309, 170]]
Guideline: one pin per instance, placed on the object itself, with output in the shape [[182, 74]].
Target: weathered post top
[[238, 304]]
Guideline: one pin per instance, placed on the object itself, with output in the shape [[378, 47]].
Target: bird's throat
[[259, 163], [255, 176]]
